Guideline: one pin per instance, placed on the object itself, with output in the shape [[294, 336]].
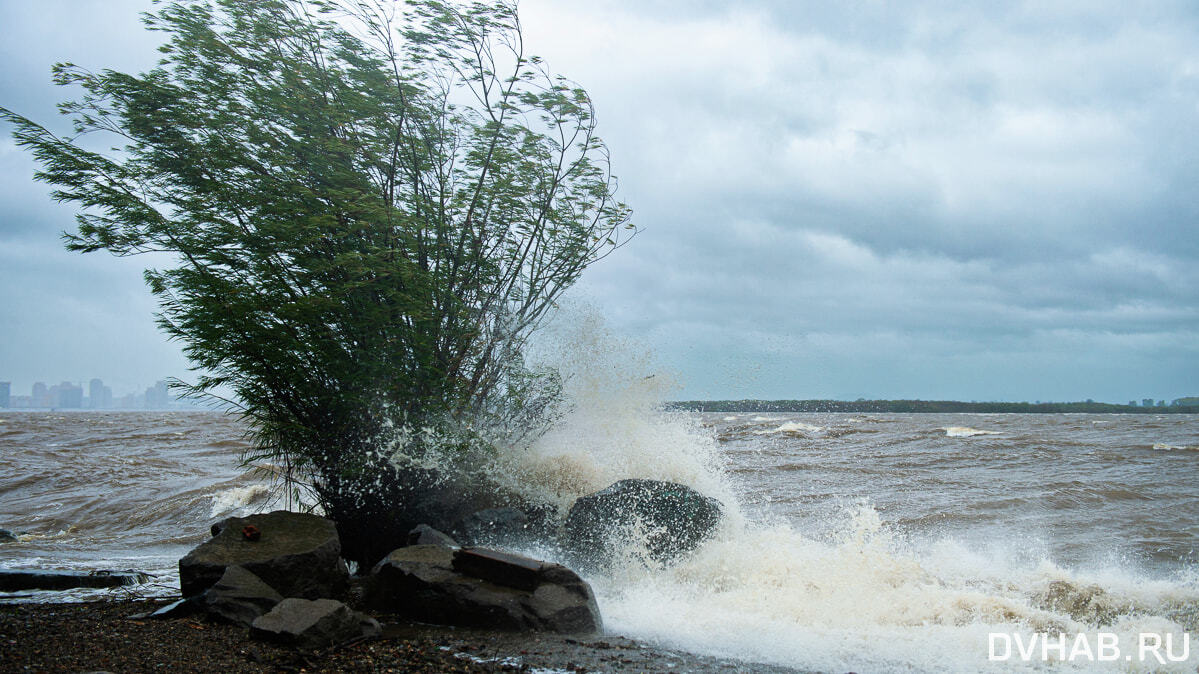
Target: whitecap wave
[[965, 432], [237, 498], [792, 427]]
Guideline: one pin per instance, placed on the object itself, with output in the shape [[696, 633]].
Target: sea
[[851, 542]]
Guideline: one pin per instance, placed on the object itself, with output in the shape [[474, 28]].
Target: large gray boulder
[[240, 597], [669, 519], [475, 587], [312, 624], [297, 554]]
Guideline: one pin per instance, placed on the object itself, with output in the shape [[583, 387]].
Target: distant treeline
[[910, 406]]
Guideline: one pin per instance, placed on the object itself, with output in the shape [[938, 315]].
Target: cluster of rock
[[281, 574]]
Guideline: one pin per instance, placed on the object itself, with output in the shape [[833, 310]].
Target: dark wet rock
[[493, 526], [299, 555], [424, 534], [673, 519], [472, 588], [501, 568], [239, 597], [15, 580], [7, 536], [312, 624]]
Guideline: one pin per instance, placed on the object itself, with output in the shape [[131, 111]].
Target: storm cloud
[[864, 199]]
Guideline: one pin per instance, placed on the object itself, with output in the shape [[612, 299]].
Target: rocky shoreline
[[271, 592], [102, 636]]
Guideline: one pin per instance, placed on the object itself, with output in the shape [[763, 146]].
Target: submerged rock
[[297, 554], [7, 536], [475, 587], [312, 623], [240, 597], [15, 580], [668, 519]]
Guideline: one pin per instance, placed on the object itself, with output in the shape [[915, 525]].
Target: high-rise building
[[5, 391], [157, 397], [99, 395], [41, 395], [67, 396]]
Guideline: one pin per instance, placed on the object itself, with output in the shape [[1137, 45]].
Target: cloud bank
[[934, 200]]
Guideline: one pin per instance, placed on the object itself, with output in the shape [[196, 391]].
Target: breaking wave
[[859, 594], [965, 432]]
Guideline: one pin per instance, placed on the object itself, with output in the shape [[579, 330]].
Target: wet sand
[[100, 636]]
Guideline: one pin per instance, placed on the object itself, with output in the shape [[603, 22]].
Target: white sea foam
[[865, 603], [965, 432], [1167, 447]]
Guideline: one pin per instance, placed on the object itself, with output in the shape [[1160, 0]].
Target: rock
[[672, 518], [299, 555], [493, 526], [483, 588], [498, 567], [239, 597], [7, 536], [14, 580], [424, 534], [312, 624]]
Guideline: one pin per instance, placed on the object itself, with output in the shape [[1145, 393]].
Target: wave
[[866, 602], [792, 427], [237, 498], [859, 598], [965, 432]]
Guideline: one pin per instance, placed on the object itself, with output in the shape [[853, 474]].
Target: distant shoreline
[[922, 406]]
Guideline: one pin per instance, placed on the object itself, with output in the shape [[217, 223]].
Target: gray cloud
[[883, 200], [839, 199]]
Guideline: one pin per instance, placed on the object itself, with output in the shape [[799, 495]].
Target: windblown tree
[[370, 208]]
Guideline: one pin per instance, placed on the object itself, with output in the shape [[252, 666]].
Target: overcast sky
[[839, 200]]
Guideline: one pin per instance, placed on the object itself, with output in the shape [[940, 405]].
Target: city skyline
[[71, 395], [92, 394]]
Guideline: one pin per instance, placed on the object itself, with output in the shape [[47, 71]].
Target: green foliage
[[369, 210]]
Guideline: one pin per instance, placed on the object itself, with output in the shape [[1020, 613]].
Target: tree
[[369, 211]]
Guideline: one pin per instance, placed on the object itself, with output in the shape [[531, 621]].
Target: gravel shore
[[100, 636]]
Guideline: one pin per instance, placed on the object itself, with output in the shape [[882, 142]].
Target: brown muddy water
[[852, 542]]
